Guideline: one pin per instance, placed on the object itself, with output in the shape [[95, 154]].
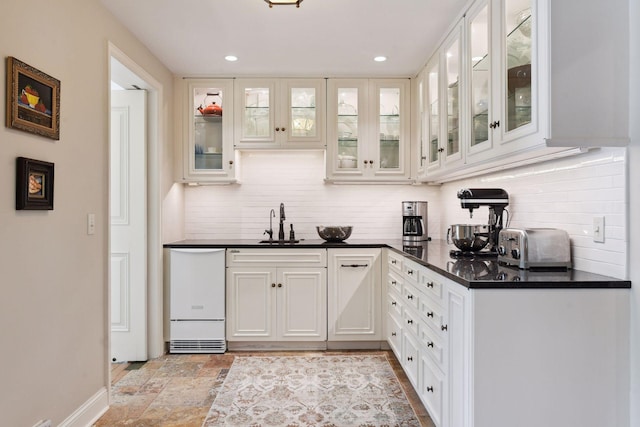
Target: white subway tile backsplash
[[565, 193]]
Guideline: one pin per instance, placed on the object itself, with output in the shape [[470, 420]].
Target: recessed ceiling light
[[380, 58], [231, 58]]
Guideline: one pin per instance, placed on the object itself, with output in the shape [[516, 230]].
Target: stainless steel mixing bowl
[[468, 237], [334, 233]]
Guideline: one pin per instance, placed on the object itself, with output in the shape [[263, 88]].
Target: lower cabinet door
[[302, 304], [431, 389], [250, 302], [394, 338]]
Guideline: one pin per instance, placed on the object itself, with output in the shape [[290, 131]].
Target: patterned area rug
[[322, 391]]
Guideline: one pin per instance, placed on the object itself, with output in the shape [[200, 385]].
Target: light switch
[[598, 229], [91, 224]]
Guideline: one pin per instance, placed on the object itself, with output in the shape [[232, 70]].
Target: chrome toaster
[[534, 248]]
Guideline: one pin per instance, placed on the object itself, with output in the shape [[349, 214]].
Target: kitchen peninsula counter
[[482, 273]]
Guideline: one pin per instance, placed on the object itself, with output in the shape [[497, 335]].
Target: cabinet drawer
[[394, 282], [432, 346], [394, 336], [394, 261], [410, 355], [258, 257], [410, 297], [431, 314], [430, 285], [411, 322], [431, 389], [394, 305], [410, 271]]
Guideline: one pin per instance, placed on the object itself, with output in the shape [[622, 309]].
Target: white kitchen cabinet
[[496, 354], [368, 132], [354, 294], [276, 295], [207, 131], [280, 113], [536, 83]]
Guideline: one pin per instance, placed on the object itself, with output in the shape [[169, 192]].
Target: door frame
[[155, 339]]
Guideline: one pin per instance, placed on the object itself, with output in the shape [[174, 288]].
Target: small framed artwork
[[34, 184], [33, 100]]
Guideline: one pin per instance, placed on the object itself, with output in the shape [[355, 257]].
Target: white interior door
[[128, 226]]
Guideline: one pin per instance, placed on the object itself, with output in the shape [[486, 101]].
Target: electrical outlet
[[598, 229], [91, 224]]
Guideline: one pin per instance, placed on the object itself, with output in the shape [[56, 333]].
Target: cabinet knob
[[409, 272], [283, 129], [277, 129], [273, 285], [429, 284], [393, 282], [230, 163], [394, 303], [279, 285], [393, 261], [430, 389], [410, 322], [443, 327], [495, 124], [410, 359], [393, 334], [430, 344], [430, 314], [409, 296], [440, 150]]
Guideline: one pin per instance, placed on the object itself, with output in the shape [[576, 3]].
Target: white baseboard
[[90, 410]]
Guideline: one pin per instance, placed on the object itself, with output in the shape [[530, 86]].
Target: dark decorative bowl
[[336, 233]]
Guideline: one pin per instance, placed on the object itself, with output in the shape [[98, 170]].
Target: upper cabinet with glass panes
[[280, 113], [207, 153], [368, 130]]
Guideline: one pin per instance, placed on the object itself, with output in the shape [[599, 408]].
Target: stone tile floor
[[178, 390]]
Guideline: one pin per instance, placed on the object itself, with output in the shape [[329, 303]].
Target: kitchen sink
[[279, 242]]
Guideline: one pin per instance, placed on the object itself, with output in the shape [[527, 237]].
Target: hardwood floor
[[178, 390]]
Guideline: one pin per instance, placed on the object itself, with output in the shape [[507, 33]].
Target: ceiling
[[322, 38]]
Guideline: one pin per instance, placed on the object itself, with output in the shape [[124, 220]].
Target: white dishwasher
[[197, 300]]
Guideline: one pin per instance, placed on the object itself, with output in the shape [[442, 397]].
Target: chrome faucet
[[282, 218], [272, 214]]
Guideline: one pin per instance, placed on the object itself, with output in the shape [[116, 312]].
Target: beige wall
[[52, 274]]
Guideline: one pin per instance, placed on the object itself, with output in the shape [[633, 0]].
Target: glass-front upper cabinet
[[277, 113], [208, 152], [452, 62], [368, 129], [433, 111], [478, 43], [519, 47]]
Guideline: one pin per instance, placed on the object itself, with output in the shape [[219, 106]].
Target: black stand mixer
[[496, 199]]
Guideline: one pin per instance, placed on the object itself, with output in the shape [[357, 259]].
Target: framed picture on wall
[[34, 184], [33, 100]]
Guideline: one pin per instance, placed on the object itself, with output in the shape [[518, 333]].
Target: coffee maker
[[496, 199], [414, 222]]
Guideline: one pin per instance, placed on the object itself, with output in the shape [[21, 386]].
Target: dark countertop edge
[[601, 282]]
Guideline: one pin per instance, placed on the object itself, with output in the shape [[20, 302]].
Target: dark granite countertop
[[483, 273]]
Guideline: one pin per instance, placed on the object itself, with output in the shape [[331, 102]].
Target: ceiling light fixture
[[283, 2], [231, 58], [380, 58]]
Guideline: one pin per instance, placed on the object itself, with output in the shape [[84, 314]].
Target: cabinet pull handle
[[444, 327], [410, 272], [409, 296], [430, 344], [440, 150], [430, 314], [410, 322], [430, 389], [410, 359], [393, 261], [279, 285], [429, 284], [393, 334], [495, 124], [354, 265], [273, 285], [393, 303], [393, 282]]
